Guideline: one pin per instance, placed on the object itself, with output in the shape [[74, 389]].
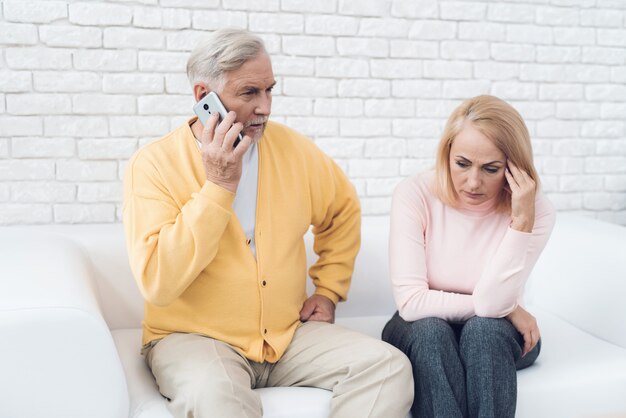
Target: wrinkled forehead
[[473, 144], [256, 71]]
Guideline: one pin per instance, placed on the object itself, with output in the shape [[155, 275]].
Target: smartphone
[[210, 104]]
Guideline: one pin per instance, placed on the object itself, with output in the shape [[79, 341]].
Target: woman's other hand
[[525, 324]]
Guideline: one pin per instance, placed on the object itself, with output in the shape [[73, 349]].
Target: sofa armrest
[[581, 276], [58, 356]]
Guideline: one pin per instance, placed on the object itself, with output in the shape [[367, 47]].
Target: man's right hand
[[223, 163]]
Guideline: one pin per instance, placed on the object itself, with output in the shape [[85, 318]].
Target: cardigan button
[[263, 283]]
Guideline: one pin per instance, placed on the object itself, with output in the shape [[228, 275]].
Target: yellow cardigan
[[189, 254]]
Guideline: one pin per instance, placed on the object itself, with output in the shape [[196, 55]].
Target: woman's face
[[476, 166]]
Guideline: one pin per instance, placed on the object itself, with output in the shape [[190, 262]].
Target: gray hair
[[223, 50]]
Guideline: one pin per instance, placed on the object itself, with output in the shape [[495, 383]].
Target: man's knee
[[400, 368], [206, 398], [393, 368], [388, 361], [199, 376], [401, 376]]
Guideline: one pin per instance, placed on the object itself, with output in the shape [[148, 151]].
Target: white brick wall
[[83, 84]]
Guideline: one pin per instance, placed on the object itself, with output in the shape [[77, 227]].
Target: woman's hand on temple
[[523, 190]]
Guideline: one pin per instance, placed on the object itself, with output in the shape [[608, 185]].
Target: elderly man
[[215, 240]]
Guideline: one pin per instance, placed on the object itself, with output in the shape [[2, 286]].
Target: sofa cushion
[[146, 401], [582, 275], [576, 374]]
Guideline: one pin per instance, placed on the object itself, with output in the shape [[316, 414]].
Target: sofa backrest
[[581, 276], [104, 244], [122, 303], [370, 291]]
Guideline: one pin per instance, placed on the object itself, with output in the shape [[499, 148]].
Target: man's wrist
[[229, 186], [334, 298], [218, 194]]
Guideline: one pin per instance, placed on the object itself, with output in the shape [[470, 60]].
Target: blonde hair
[[222, 51], [503, 125]]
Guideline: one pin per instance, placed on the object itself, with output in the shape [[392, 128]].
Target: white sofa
[[70, 318]]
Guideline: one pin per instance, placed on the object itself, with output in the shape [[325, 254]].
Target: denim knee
[[489, 334], [423, 337], [430, 338]]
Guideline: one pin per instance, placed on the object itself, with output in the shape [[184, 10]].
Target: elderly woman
[[463, 241]]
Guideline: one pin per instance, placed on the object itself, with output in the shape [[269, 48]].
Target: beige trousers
[[204, 378]]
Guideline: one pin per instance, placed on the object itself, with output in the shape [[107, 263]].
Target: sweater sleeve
[[408, 266], [337, 230], [169, 245], [502, 283]]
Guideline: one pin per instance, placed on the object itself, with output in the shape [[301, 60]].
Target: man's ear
[[200, 90]]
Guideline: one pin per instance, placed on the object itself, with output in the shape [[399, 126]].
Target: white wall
[[84, 83]]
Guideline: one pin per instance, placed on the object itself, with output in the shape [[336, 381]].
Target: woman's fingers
[[521, 177], [527, 343], [513, 172], [510, 180], [526, 324], [531, 338]]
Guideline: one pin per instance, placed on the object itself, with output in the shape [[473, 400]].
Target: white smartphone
[[210, 104]]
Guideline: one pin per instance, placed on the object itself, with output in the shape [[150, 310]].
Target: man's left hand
[[318, 308]]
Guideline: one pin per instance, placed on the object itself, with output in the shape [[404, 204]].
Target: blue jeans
[[462, 369]]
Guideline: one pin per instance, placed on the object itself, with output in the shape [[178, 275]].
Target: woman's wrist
[[522, 224]]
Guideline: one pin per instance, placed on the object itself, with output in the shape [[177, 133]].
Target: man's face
[[247, 91]]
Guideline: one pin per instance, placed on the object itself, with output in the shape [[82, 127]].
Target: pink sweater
[[456, 263]]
